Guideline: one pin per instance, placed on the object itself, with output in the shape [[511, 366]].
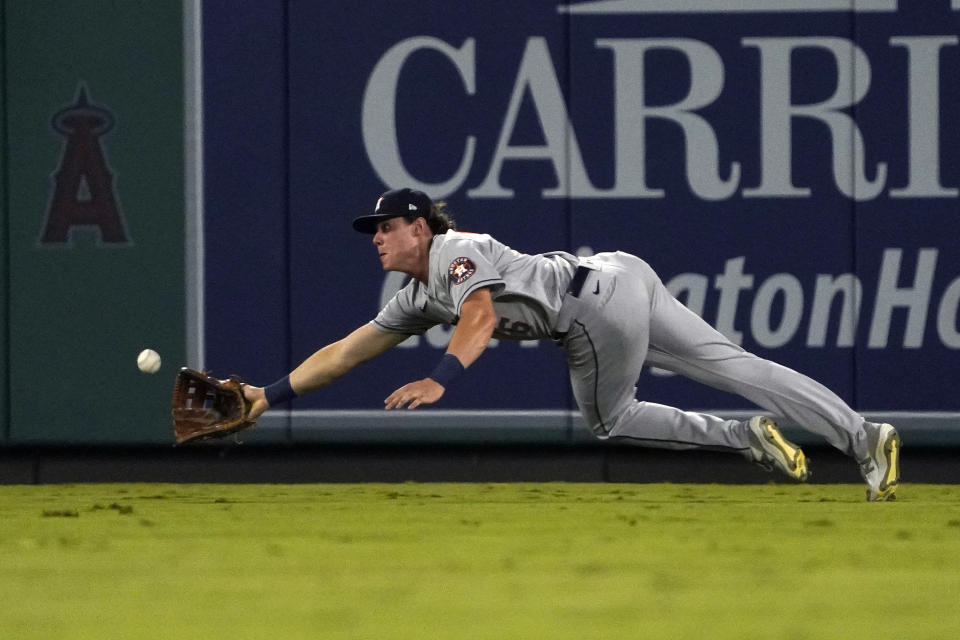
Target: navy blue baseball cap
[[405, 202]]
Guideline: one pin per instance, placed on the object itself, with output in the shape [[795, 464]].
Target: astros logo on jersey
[[461, 269]]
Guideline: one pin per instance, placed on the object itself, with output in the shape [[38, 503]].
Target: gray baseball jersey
[[613, 314], [527, 290]]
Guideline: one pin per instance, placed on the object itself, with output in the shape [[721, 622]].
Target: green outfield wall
[[94, 217]]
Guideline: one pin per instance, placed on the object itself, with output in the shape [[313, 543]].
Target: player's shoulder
[[465, 241], [465, 236]]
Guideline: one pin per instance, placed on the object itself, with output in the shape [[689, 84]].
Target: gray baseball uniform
[[611, 314]]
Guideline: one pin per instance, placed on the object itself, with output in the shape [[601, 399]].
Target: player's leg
[[606, 347], [683, 342]]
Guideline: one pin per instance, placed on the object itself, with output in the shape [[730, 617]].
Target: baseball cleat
[[772, 451], [881, 467]]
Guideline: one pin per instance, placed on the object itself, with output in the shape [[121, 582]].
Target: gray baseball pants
[[624, 317]]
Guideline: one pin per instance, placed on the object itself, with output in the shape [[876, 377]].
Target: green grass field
[[477, 561]]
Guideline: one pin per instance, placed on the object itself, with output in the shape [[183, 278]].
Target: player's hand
[[258, 400], [411, 396]]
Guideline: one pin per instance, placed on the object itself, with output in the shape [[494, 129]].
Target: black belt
[[574, 289], [579, 277]]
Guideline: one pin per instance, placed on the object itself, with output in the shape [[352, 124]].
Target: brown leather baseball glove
[[205, 407]]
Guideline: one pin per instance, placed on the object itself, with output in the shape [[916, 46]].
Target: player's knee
[[605, 423]]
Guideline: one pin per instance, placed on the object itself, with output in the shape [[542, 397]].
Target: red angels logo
[[460, 270], [84, 194]]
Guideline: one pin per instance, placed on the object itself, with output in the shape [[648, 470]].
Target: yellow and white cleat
[[772, 451], [881, 467]]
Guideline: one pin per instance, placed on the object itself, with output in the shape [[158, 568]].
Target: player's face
[[397, 244]]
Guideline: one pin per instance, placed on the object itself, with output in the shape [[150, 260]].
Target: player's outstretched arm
[[337, 359], [474, 330], [329, 363]]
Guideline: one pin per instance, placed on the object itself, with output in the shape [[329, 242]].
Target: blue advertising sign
[[788, 167]]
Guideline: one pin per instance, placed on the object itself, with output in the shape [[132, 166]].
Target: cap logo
[[379, 202], [411, 207], [460, 270]]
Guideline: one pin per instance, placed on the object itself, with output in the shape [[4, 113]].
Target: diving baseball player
[[611, 314]]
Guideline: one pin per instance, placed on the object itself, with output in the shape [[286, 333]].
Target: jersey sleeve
[[401, 315], [469, 265]]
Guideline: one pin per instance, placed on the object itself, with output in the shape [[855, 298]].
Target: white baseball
[[148, 361]]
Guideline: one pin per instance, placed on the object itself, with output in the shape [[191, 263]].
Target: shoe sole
[[794, 460], [889, 451]]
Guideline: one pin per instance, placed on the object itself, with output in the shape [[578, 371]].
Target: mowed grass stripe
[[552, 560]]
